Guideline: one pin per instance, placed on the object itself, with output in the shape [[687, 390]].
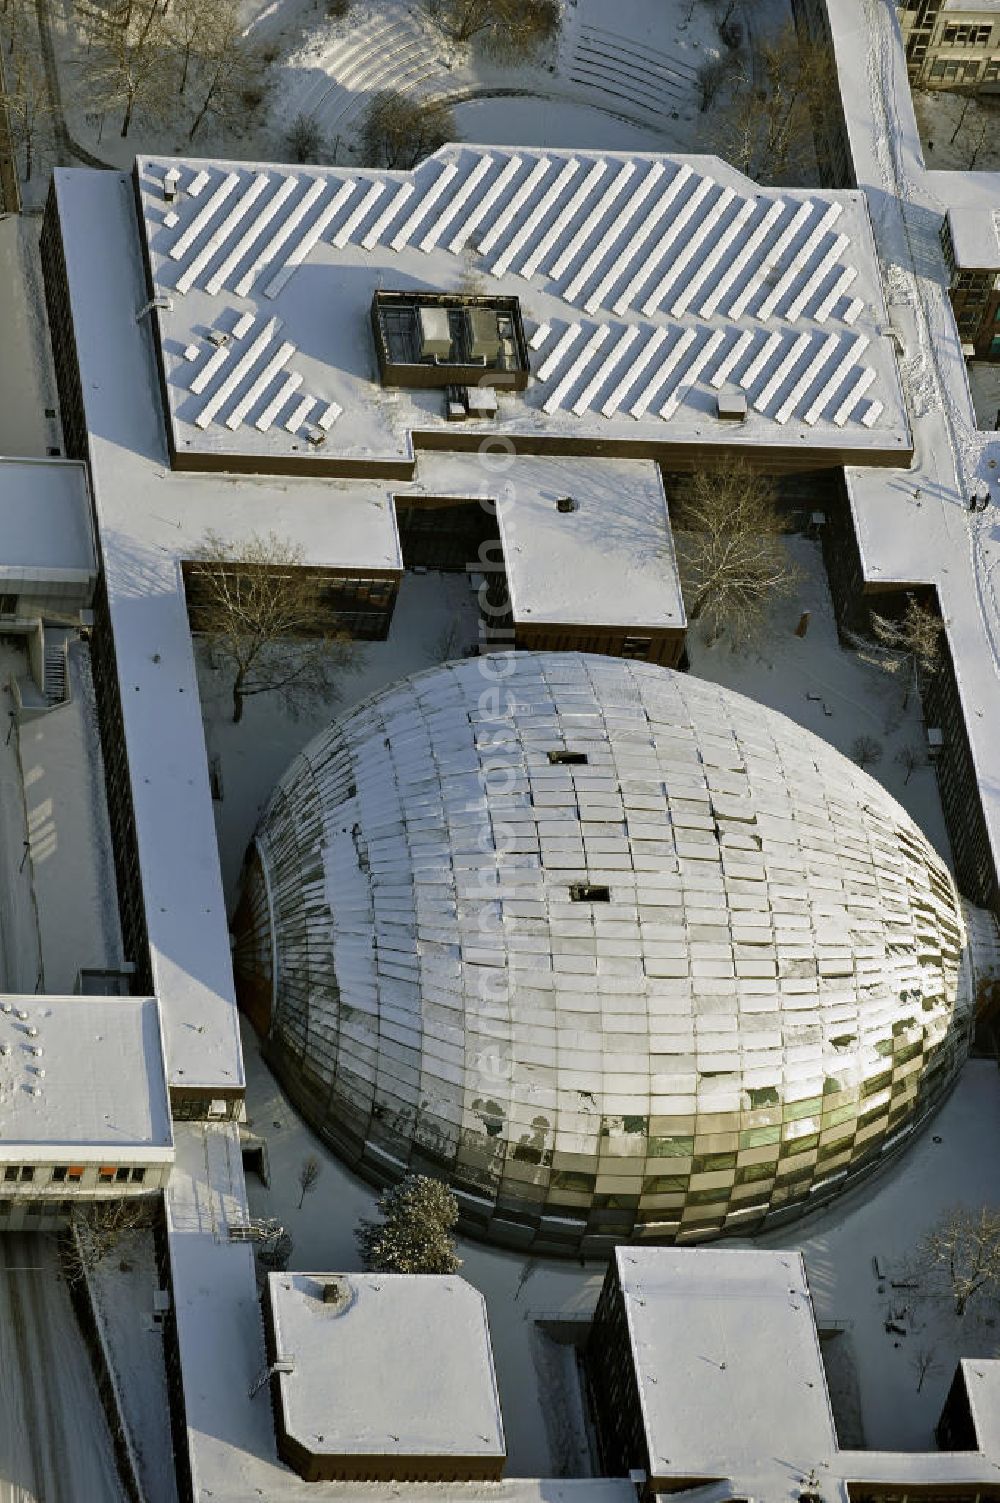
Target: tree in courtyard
[[768, 126], [415, 1233], [732, 558], [924, 1364], [231, 69], [127, 57], [397, 131], [960, 1256], [97, 1227], [866, 751], [309, 1173], [263, 617], [711, 77], [510, 30], [908, 648]]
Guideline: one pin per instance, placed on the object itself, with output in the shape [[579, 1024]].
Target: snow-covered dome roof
[[617, 952]]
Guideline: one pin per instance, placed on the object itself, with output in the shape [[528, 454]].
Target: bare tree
[[711, 77], [732, 558], [309, 1173], [127, 52], [508, 29], [911, 758], [263, 617], [925, 1364], [399, 132], [231, 68], [189, 25], [305, 138], [769, 124], [960, 1256], [26, 97], [907, 647], [97, 1227], [866, 751], [415, 1233]]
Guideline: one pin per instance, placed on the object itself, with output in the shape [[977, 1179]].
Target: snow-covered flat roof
[[398, 1365], [45, 519], [975, 234], [85, 1074], [727, 1334], [608, 562], [646, 284]]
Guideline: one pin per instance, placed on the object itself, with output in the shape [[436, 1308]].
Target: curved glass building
[[616, 952]]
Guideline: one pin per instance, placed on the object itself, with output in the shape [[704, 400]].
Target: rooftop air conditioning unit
[[935, 741], [435, 333], [484, 334]]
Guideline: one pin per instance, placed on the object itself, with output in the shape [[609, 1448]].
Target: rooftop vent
[[565, 504], [218, 337], [732, 405], [565, 758], [435, 333], [332, 1293], [170, 180], [589, 892]]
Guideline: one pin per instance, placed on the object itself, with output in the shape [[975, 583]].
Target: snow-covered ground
[[122, 1288], [627, 82], [54, 1441], [958, 132]]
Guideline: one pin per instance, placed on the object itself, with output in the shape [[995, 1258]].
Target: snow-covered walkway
[[54, 1441]]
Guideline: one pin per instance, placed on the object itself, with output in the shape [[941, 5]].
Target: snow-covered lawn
[[957, 132], [625, 80], [122, 1288]]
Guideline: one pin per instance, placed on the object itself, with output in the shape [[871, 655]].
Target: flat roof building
[[83, 1103], [383, 1377], [706, 1367]]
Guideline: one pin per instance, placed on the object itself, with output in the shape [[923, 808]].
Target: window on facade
[[74, 1172], [121, 1175], [636, 647], [10, 1173], [138, 1175], [59, 1173], [5, 1206], [37, 1208], [106, 1174], [27, 1174]]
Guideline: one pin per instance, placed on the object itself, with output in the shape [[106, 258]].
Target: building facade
[[952, 44]]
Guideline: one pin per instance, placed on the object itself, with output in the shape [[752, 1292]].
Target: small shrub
[[304, 139]]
